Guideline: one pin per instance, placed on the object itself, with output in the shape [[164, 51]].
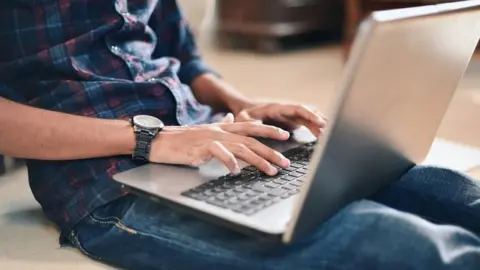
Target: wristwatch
[[146, 128]]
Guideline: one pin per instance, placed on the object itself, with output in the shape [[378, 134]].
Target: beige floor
[[27, 241]]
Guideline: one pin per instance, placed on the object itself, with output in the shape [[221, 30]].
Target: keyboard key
[[221, 196], [217, 203], [268, 203], [243, 197], [288, 178], [296, 165], [250, 211], [280, 181], [285, 195], [252, 193], [304, 162], [295, 174], [257, 202], [277, 192], [289, 169], [228, 185], [238, 208], [260, 187], [250, 169], [197, 196], [296, 183], [294, 191], [272, 185], [303, 170], [289, 187], [208, 193], [239, 189], [219, 189], [231, 193]]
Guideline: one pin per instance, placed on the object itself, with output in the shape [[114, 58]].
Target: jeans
[[429, 219]]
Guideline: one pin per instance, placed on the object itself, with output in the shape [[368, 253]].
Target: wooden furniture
[[357, 10], [263, 23]]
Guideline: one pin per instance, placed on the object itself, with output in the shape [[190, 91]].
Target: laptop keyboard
[[252, 190]]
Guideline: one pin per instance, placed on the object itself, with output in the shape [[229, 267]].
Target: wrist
[[161, 149], [124, 140], [236, 105], [219, 94]]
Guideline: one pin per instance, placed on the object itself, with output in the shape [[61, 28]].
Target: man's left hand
[[287, 116]]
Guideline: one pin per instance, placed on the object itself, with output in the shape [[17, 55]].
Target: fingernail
[[236, 170], [285, 162], [283, 132], [273, 170]]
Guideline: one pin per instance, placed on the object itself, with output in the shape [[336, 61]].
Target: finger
[[245, 117], [253, 129], [314, 129], [295, 123], [262, 150], [285, 122], [228, 119], [244, 153], [304, 113], [220, 152]]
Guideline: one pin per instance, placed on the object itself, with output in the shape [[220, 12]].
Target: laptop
[[402, 73]]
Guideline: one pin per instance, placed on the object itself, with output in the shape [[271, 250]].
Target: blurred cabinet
[[262, 23]]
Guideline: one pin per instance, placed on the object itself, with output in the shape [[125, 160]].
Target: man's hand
[[224, 141], [287, 116], [222, 96]]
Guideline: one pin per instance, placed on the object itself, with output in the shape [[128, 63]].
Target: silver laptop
[[401, 76]]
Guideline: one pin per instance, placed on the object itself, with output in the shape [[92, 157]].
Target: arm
[[206, 85], [32, 133]]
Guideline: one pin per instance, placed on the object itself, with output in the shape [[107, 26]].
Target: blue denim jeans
[[429, 219]]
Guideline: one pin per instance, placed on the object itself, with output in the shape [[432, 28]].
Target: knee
[[437, 174], [385, 236]]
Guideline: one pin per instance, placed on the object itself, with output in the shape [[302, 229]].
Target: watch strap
[[143, 144]]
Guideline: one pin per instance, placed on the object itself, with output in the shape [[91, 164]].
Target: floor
[[27, 241]]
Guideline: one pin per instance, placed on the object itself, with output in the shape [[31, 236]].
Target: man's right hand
[[196, 145]]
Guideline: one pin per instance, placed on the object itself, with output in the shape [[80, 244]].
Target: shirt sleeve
[[175, 39], [10, 94]]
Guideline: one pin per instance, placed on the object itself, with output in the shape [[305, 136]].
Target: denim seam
[[113, 220], [77, 243]]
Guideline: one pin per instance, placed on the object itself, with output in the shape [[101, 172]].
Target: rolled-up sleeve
[[175, 39]]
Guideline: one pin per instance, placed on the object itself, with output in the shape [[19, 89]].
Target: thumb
[[228, 119]]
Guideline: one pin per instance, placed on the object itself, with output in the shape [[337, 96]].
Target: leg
[[138, 234], [440, 195]]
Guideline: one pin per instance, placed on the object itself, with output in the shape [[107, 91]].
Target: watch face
[[148, 122]]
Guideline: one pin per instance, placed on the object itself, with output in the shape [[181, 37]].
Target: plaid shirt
[[98, 58]]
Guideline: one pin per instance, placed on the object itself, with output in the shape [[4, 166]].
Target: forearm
[[220, 95], [32, 133]]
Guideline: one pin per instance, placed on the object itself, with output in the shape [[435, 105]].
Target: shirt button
[[124, 13], [115, 48], [152, 80]]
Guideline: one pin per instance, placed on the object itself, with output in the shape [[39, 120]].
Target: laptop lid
[[404, 69]]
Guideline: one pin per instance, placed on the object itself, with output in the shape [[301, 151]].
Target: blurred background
[[295, 49], [275, 49]]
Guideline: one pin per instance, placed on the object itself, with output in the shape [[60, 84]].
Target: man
[[73, 72]]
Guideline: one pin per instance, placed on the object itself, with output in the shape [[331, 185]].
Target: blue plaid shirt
[[98, 58]]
